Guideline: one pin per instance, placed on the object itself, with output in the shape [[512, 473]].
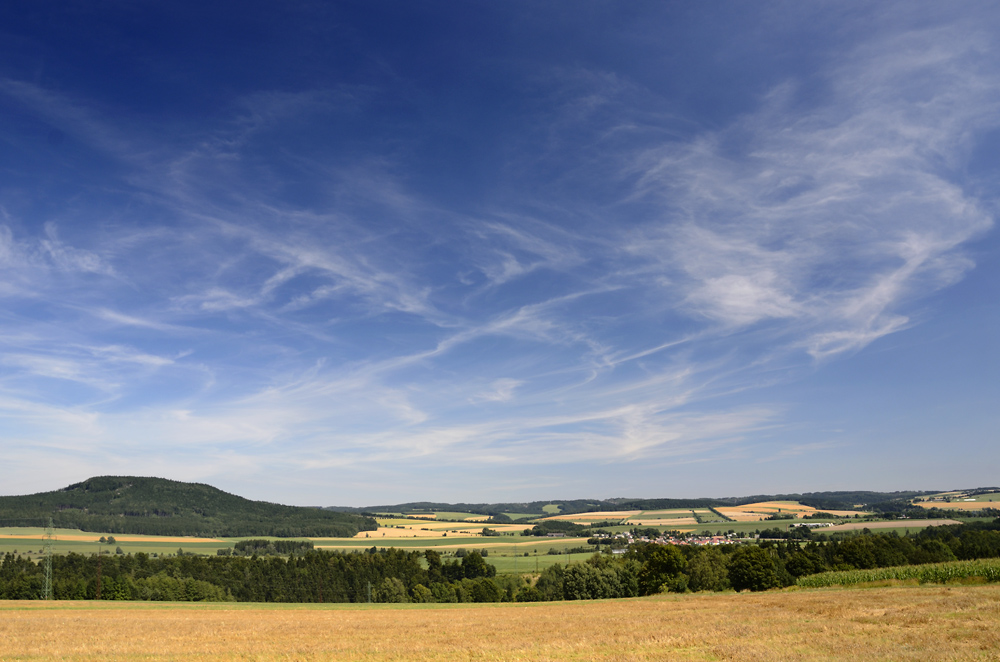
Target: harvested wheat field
[[897, 623]]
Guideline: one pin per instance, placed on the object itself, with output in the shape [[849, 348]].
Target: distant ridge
[[157, 506], [843, 500]]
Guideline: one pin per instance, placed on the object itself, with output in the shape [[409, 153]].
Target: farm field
[[596, 516], [965, 496], [674, 518], [460, 516], [452, 515], [30, 541], [759, 511], [498, 547], [863, 625], [25, 539], [908, 525], [667, 518], [407, 528], [980, 502]]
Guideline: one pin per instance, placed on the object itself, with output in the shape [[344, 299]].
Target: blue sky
[[353, 253]]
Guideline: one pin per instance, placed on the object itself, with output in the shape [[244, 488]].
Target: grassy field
[[902, 527], [897, 623], [25, 539]]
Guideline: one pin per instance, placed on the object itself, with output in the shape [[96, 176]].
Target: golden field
[[124, 537], [431, 529], [959, 505], [595, 516], [896, 623], [759, 511]]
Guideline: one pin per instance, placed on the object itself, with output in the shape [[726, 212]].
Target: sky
[[361, 253]]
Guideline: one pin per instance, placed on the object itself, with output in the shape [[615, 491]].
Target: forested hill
[[156, 506]]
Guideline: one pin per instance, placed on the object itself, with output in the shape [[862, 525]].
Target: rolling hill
[[156, 506], [874, 501]]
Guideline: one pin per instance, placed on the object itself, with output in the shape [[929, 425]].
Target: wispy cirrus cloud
[[828, 220], [270, 290]]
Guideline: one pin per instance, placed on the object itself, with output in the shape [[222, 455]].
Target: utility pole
[[99, 550], [47, 586]]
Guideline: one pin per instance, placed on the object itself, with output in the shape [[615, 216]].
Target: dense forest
[[396, 575], [156, 506]]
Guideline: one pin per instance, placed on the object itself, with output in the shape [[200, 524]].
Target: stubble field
[[896, 623]]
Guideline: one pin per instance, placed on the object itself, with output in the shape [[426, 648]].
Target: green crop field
[[451, 515], [507, 563], [664, 515], [986, 570], [30, 541], [993, 497]]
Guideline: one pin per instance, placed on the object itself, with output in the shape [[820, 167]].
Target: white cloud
[[69, 258], [832, 219], [501, 390]]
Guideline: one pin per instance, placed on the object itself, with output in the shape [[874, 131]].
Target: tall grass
[[932, 573]]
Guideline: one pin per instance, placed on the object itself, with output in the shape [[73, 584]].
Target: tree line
[[396, 575]]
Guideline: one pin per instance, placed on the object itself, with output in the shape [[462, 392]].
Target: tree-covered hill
[[156, 506]]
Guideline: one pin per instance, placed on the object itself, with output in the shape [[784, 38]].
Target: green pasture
[[31, 542], [983, 498], [461, 517], [706, 516], [957, 497], [447, 546], [511, 564], [397, 521], [402, 543], [552, 509], [664, 515]]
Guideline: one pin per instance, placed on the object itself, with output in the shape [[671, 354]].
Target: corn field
[[933, 573]]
